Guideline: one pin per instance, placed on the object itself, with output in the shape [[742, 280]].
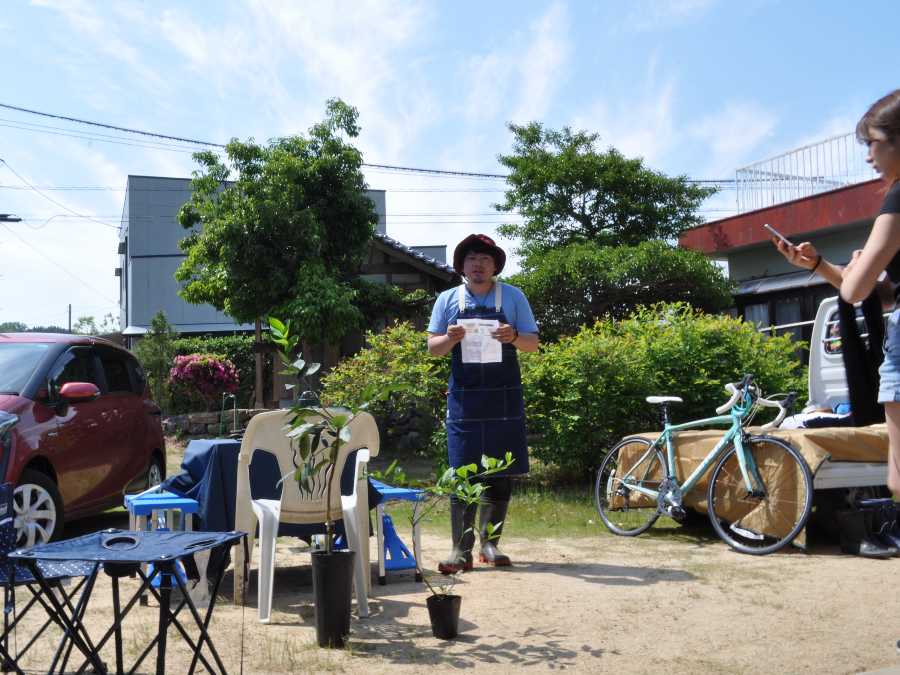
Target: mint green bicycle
[[759, 494]]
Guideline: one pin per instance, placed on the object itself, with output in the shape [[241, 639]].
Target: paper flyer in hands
[[478, 346]]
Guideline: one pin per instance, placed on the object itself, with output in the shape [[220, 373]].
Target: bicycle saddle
[[664, 399]]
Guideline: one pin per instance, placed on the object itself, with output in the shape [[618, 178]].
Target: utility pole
[[70, 317]]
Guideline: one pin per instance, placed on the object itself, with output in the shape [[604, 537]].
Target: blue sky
[[696, 87]]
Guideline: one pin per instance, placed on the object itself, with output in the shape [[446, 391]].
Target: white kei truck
[[828, 389]]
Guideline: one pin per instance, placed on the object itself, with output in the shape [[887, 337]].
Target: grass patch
[[538, 512]]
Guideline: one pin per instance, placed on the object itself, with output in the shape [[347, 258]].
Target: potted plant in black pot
[[462, 483], [317, 434]]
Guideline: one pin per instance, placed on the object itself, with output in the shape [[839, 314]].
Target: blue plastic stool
[[155, 510], [393, 554]]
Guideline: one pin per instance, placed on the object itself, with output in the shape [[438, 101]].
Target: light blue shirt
[[513, 303]]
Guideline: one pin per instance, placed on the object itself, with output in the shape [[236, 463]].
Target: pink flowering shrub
[[204, 377]]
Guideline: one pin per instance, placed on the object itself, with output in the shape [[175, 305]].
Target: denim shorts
[[889, 373]]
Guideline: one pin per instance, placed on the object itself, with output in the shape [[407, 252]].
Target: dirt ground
[[657, 603]]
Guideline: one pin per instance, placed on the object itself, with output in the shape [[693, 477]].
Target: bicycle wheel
[[623, 510], [768, 520]]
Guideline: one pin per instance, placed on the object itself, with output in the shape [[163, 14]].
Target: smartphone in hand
[[776, 233]]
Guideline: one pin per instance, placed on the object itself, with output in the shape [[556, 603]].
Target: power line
[[110, 188], [53, 262], [108, 126], [102, 139], [194, 141], [50, 199]]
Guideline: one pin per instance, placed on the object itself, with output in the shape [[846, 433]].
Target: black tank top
[[891, 204]]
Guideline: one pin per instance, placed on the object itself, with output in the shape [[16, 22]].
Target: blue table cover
[[209, 475], [126, 546]]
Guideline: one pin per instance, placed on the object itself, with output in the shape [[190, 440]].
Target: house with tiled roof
[[149, 255], [823, 193]]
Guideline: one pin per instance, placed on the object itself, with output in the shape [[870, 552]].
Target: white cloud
[[356, 51], [733, 134], [542, 66], [104, 35], [518, 79], [489, 80], [640, 126], [656, 15]]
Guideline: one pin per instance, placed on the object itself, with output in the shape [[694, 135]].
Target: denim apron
[[485, 407]]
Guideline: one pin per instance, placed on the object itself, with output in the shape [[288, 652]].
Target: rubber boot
[[462, 521], [855, 537], [888, 527], [493, 512]]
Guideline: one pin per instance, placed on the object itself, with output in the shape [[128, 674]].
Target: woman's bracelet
[[818, 262]]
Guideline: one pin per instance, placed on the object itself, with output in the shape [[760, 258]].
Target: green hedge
[[587, 391], [397, 355]]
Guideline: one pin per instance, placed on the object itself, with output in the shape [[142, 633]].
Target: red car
[[86, 432]]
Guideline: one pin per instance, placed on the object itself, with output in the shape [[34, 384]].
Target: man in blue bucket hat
[[482, 324]]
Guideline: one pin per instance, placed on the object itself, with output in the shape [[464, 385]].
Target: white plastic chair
[[266, 431]]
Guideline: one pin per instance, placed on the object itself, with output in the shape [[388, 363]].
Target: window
[[138, 376], [788, 311], [832, 339], [76, 365], [18, 361], [116, 369], [758, 314]]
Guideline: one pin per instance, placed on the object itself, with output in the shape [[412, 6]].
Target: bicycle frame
[[734, 434]]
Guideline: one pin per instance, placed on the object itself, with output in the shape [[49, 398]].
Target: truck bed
[[838, 456]]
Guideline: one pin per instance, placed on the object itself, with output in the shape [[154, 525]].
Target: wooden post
[[258, 357]]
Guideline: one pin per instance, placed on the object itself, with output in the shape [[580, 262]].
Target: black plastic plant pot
[[444, 613], [332, 575]]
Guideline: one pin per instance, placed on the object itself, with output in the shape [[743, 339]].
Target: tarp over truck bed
[[848, 452]]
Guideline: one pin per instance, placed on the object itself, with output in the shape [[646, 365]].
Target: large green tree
[[568, 191], [598, 233], [572, 286], [281, 229]]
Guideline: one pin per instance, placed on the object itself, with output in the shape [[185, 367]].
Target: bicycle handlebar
[[735, 390], [784, 406]]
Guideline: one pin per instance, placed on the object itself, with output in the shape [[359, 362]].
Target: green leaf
[[301, 430], [305, 412], [299, 364], [304, 448]]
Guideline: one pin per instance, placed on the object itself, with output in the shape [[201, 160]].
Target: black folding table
[[121, 553]]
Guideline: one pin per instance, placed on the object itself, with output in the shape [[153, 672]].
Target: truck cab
[[827, 381]]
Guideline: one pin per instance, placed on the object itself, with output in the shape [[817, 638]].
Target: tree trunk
[[258, 358]]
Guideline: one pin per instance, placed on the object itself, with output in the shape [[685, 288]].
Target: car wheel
[[38, 509], [156, 473]]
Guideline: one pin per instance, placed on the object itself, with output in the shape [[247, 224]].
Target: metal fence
[[826, 165]]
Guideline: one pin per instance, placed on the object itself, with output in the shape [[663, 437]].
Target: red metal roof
[[801, 216]]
